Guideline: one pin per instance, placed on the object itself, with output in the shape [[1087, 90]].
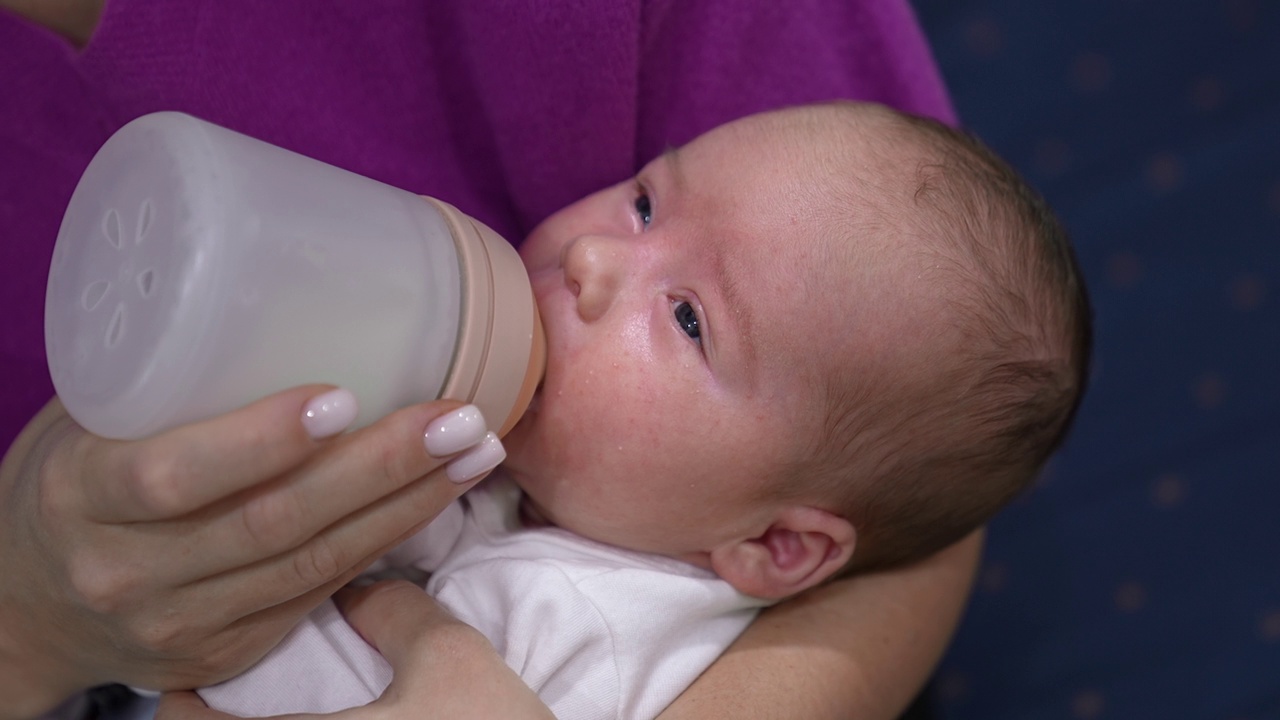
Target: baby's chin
[[519, 432], [529, 462], [532, 513], [520, 440]]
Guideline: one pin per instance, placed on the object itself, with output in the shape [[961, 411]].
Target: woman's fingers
[[339, 552], [395, 616], [392, 616], [192, 553], [437, 661], [357, 497], [189, 467]]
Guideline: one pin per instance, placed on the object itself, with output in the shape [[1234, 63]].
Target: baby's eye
[[687, 319], [644, 208]]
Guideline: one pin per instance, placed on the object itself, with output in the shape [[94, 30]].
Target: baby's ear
[[803, 547]]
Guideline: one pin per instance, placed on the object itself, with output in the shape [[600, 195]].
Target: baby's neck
[[529, 516], [531, 519]]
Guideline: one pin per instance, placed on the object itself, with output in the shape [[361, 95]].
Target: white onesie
[[595, 630]]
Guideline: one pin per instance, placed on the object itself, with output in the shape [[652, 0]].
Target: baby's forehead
[[858, 133], [866, 297], [831, 289], [827, 241]]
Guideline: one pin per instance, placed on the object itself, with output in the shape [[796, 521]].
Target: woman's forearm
[[861, 647]]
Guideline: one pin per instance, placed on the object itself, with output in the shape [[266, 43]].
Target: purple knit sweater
[[509, 109]]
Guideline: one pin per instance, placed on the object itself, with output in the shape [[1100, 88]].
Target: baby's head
[[815, 339]]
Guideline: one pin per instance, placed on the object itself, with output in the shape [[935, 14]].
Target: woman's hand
[[180, 560], [439, 663]]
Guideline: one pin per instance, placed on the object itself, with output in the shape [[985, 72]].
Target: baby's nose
[[593, 269]]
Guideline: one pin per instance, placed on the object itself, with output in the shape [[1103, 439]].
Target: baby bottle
[[198, 269]]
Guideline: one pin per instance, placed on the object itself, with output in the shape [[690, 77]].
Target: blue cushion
[[1141, 577]]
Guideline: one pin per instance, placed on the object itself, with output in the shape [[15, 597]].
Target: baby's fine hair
[[993, 414]]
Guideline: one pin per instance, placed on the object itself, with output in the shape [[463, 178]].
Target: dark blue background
[[1141, 577]]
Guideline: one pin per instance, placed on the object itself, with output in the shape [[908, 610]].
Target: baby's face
[[691, 314]]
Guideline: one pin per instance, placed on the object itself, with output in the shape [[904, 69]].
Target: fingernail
[[478, 460], [454, 432], [330, 413]]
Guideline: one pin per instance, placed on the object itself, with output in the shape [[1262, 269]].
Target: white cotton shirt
[[595, 630]]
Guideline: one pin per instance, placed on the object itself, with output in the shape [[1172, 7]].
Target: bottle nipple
[[532, 377], [501, 349]]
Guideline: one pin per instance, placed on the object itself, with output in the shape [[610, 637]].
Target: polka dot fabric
[[1140, 578]]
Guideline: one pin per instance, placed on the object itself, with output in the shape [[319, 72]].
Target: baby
[[815, 341]]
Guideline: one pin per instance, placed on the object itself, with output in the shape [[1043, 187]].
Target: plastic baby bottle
[[198, 269]]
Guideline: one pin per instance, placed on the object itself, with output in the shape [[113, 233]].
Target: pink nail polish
[[455, 431], [482, 458], [330, 413]]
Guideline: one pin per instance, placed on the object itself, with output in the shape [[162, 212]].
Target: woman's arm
[[861, 647]]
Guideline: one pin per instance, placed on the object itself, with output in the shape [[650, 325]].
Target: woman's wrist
[[28, 691], [32, 681]]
